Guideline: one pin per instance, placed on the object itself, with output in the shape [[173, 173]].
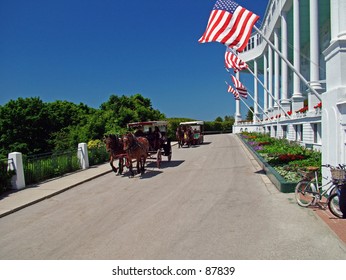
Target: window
[[284, 131], [316, 127], [299, 132]]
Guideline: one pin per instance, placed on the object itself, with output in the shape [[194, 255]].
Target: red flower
[[319, 105], [289, 113], [303, 110]]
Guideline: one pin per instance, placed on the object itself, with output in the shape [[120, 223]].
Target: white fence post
[[16, 163], [83, 155]]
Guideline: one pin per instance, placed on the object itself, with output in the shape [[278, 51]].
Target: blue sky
[[86, 50]]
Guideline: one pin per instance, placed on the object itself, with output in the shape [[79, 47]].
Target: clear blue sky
[[86, 50]]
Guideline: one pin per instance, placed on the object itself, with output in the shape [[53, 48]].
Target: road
[[209, 202]]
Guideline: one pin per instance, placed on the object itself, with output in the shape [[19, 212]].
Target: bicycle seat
[[312, 168]]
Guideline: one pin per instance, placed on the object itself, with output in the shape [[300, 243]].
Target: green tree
[[24, 126], [249, 116]]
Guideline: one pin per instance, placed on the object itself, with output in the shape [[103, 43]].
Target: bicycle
[[309, 192], [333, 201]]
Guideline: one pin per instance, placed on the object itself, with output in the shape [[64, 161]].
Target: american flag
[[240, 87], [229, 24], [232, 61], [235, 93]]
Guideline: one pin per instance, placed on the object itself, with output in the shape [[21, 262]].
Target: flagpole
[[253, 100], [253, 74], [256, 103], [289, 64], [250, 109], [278, 103]]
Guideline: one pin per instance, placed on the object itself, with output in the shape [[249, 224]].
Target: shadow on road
[[166, 164]]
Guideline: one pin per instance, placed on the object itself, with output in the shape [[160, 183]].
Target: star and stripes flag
[[229, 24], [234, 62], [234, 92], [240, 87]]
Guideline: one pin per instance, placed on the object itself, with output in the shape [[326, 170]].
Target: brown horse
[[114, 147], [179, 134], [136, 148]]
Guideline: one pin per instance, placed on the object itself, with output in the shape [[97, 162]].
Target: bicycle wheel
[[333, 205], [304, 193]]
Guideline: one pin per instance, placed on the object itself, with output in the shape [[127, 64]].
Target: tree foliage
[[249, 116], [29, 125]]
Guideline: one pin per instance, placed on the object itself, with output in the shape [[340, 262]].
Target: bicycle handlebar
[[340, 166]]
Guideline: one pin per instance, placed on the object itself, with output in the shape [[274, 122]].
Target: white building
[[311, 35]]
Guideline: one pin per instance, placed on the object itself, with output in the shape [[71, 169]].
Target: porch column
[[298, 99], [255, 106], [270, 79], [276, 72], [265, 82], [285, 103], [334, 99], [237, 106], [338, 24], [314, 55]]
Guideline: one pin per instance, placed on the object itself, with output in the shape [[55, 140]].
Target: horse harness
[[134, 145]]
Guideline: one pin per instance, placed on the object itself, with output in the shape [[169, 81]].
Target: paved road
[[210, 202]]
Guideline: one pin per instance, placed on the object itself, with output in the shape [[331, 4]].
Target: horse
[[179, 134], [136, 148], [114, 147], [188, 137]]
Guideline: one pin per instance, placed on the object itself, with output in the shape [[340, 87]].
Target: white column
[[237, 103], [265, 79], [270, 78], [314, 54], [255, 106], [334, 99], [16, 163], [237, 111], [276, 72], [297, 95], [83, 155], [285, 103], [337, 14]]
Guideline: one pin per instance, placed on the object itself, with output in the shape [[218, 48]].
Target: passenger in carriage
[[158, 141], [139, 133], [151, 139]]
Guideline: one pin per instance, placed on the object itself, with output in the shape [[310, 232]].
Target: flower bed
[[280, 158]]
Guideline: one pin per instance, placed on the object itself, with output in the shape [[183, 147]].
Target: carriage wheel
[[158, 158]]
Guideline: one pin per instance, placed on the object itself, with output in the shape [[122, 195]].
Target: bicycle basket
[[308, 175], [338, 174]]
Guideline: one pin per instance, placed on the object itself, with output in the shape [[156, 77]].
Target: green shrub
[[5, 176]]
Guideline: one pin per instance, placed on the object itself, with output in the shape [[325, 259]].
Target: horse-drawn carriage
[[156, 134], [150, 138], [190, 133]]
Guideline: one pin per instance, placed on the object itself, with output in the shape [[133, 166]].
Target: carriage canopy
[[197, 130], [149, 125]]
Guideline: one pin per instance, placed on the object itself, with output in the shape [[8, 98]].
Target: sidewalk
[[14, 201], [336, 225]]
